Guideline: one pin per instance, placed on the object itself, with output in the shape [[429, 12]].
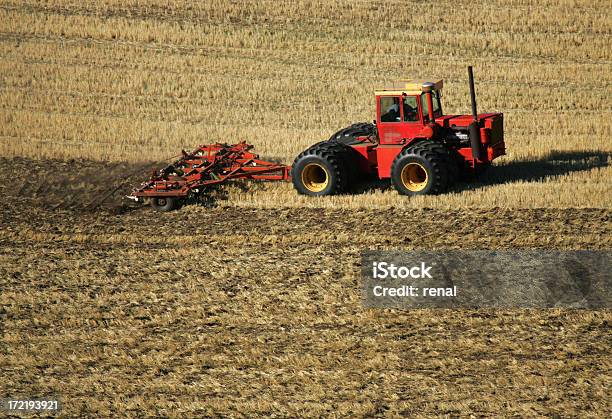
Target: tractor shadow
[[368, 185], [555, 164]]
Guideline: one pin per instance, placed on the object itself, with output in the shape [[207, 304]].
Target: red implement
[[206, 166]]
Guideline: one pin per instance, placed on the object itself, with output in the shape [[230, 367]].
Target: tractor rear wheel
[[165, 204], [422, 169], [321, 170]]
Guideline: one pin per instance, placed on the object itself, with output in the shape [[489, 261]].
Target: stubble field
[[253, 306]]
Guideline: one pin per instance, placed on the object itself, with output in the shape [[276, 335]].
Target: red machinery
[[411, 142], [203, 168]]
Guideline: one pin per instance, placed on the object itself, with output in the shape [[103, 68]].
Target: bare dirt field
[[247, 311], [252, 306]]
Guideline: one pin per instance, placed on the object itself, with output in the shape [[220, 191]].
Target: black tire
[[162, 204], [348, 135], [321, 170], [450, 160], [422, 169]]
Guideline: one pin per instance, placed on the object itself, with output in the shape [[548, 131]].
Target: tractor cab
[[407, 109]]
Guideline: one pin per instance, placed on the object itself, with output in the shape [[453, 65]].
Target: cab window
[[411, 111], [437, 110], [389, 109]]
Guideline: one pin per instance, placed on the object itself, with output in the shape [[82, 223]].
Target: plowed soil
[[230, 311]]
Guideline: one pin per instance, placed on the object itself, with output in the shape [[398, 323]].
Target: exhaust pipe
[[474, 128], [472, 93]]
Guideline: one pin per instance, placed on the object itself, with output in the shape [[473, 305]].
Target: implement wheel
[[321, 170], [422, 169], [164, 204]]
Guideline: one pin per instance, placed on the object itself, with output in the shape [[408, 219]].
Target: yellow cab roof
[[410, 87]]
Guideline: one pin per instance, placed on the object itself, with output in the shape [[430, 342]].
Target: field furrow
[[250, 304]]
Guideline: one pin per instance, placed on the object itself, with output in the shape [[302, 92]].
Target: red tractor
[[412, 142]]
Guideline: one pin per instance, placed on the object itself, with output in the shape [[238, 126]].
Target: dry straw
[[125, 81]]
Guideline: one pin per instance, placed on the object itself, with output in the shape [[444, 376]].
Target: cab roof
[[411, 87]]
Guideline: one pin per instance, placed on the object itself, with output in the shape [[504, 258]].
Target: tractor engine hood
[[463, 121]]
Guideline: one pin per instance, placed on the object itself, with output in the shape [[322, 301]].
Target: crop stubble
[[127, 81], [254, 306]]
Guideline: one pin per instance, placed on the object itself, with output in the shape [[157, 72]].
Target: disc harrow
[[195, 173]]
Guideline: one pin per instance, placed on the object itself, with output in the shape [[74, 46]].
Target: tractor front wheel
[[164, 204], [421, 170]]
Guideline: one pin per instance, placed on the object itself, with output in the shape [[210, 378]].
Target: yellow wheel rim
[[315, 177], [414, 177]]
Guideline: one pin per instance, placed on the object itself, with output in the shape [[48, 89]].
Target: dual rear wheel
[[325, 168]]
